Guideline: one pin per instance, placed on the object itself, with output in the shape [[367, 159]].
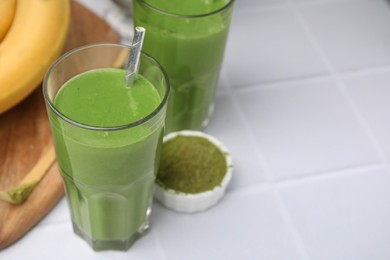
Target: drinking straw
[[135, 51]]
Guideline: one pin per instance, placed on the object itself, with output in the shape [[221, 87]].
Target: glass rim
[[49, 102], [226, 6]]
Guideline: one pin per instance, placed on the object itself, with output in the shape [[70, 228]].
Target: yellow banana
[[33, 42], [7, 11]]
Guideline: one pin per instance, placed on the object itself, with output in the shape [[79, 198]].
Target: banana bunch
[[7, 8], [32, 35]]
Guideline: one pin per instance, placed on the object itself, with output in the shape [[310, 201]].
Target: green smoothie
[[108, 174], [188, 39]]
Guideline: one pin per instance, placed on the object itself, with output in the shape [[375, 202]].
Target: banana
[[7, 11], [34, 40]]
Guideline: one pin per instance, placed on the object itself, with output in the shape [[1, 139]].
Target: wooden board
[[25, 136]]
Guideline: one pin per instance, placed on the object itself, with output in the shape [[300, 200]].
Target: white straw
[[135, 51]]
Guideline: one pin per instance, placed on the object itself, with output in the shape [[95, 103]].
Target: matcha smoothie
[[108, 137], [188, 39]]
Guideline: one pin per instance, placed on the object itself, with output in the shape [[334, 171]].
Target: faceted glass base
[[103, 244]]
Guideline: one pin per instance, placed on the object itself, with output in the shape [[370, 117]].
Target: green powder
[[191, 165], [20, 193]]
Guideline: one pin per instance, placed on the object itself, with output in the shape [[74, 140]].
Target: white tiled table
[[304, 106]]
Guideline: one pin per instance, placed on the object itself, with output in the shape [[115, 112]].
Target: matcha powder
[[191, 164]]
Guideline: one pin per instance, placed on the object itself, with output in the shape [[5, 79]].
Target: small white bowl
[[190, 203]]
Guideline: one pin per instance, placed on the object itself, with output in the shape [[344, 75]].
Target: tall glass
[[188, 39], [108, 172]]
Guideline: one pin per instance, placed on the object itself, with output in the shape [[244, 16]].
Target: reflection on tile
[[269, 45], [241, 226], [372, 96], [345, 217], [353, 34], [227, 126], [305, 128]]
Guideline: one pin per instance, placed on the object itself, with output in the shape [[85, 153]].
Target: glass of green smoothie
[[107, 138], [188, 39]]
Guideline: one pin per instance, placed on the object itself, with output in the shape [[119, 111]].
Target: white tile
[[269, 45], [353, 34], [117, 16], [99, 7], [251, 3], [59, 242], [223, 84], [372, 96], [242, 226], [59, 213], [318, 1], [342, 218], [226, 125], [305, 127]]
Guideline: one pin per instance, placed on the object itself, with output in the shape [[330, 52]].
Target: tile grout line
[[364, 71], [319, 2], [298, 241], [265, 7], [230, 92], [270, 182], [275, 187], [260, 7], [342, 88], [306, 78], [330, 174], [160, 249], [337, 79], [313, 177]]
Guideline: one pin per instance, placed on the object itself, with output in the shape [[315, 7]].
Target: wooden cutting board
[[25, 136]]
